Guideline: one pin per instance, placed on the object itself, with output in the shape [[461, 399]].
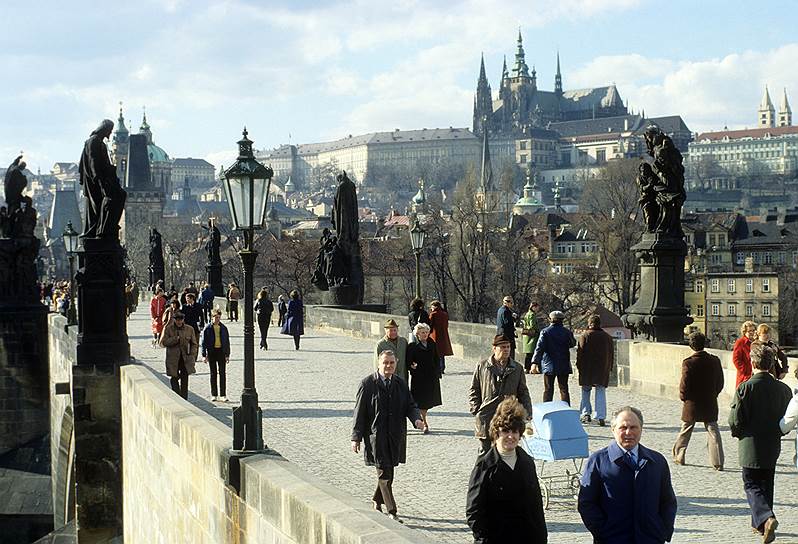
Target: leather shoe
[[395, 518], [719, 468], [769, 534], [601, 423], [677, 462]]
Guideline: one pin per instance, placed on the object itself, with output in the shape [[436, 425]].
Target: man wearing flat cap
[[553, 353], [495, 379], [180, 341], [395, 343]]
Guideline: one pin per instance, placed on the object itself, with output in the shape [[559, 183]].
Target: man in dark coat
[[594, 357], [553, 354], [702, 382], [505, 323], [105, 198], [625, 494], [206, 302], [756, 410], [383, 402], [495, 379]]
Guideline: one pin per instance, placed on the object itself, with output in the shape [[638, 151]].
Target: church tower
[[785, 113], [483, 101], [120, 145], [767, 113], [520, 70], [558, 78]]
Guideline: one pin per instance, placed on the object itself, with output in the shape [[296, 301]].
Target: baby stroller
[[557, 435]]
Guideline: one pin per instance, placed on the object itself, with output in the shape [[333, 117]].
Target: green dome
[[156, 154]]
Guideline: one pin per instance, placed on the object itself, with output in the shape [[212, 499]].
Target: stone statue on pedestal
[[105, 198]]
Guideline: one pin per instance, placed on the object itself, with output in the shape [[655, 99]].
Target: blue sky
[[322, 70]]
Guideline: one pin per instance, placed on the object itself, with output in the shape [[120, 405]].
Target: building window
[[571, 248], [523, 145], [768, 257], [715, 285], [715, 258], [699, 286], [699, 310], [557, 269], [766, 310], [731, 285], [766, 285], [749, 285], [782, 257], [560, 248], [732, 309], [523, 159], [569, 268], [601, 156], [716, 310], [739, 258], [749, 310], [712, 240]]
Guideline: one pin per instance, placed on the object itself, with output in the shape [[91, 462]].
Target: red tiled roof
[[747, 133]]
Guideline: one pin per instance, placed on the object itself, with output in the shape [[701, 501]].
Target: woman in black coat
[[263, 311], [504, 504], [417, 315], [422, 360]]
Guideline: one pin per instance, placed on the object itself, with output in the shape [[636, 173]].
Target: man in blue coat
[[553, 353], [505, 322], [625, 494]]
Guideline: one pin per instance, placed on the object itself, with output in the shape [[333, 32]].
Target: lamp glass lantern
[[71, 238], [417, 236], [246, 186]]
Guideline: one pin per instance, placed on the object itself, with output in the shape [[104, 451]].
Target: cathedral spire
[[520, 69], [505, 75], [120, 122], [483, 101], [558, 77], [767, 113], [482, 76], [785, 113], [145, 127]]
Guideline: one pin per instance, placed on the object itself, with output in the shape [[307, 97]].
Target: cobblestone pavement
[[307, 398]]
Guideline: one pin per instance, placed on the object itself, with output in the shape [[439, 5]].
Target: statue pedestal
[[215, 278], [156, 274], [342, 295], [102, 329], [659, 313]]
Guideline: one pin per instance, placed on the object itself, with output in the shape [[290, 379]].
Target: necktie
[[631, 460], [388, 384]]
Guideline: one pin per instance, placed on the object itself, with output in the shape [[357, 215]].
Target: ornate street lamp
[[71, 240], [417, 236], [246, 185]]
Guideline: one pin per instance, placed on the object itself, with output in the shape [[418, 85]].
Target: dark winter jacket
[[208, 339], [594, 357], [701, 383], [553, 351]]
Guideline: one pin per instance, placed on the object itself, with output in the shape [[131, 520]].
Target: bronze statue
[[661, 185], [14, 183], [156, 248], [344, 213], [214, 243], [105, 198]]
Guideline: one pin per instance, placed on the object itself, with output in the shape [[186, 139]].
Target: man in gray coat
[[496, 378], [383, 402]]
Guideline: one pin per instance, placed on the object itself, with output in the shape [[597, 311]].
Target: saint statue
[[105, 198]]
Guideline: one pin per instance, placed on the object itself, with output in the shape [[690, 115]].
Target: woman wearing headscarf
[[422, 361]]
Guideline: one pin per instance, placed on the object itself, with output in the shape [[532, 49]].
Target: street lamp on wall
[[417, 236], [246, 185], [71, 240]]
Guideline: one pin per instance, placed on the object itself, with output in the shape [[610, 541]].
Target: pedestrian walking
[[193, 313], [790, 418], [424, 367], [505, 322], [741, 354], [758, 406], [169, 313], [553, 353], [439, 325], [529, 338], [395, 343], [282, 308], [780, 369], [181, 346], [216, 353], [205, 300], [263, 311], [417, 315], [233, 296], [157, 308], [495, 379], [382, 403], [504, 502], [595, 355], [294, 323], [701, 383], [625, 493]]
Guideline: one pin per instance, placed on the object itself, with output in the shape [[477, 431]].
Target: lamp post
[[71, 239], [246, 186], [417, 235]]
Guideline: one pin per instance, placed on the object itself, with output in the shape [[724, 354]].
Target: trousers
[[758, 485], [548, 387], [263, 325], [714, 443], [179, 383], [217, 364], [601, 401], [384, 492]]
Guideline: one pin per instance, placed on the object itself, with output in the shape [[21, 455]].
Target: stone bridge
[[312, 489]]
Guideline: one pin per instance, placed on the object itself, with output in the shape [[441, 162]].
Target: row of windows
[[731, 310], [585, 247], [765, 257], [731, 285]]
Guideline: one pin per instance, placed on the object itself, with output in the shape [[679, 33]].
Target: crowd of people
[[625, 493], [188, 323]]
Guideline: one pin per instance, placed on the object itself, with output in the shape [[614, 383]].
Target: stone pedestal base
[[215, 279], [342, 295], [659, 313], [156, 274]]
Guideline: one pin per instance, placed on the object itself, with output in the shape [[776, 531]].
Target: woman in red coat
[[741, 354], [157, 307], [439, 323]]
